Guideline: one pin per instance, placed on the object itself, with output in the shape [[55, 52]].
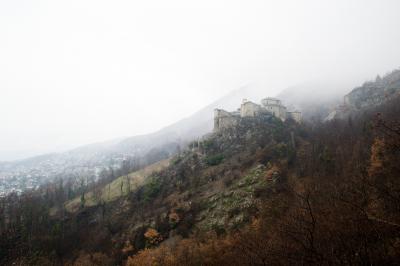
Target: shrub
[[214, 159], [152, 237], [173, 218], [151, 189], [177, 159], [208, 144], [280, 150]]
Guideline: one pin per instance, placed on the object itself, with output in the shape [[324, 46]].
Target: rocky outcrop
[[374, 93], [370, 94]]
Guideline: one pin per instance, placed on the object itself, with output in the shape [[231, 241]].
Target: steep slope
[[214, 187], [120, 187], [376, 92], [339, 204], [263, 192], [369, 95]]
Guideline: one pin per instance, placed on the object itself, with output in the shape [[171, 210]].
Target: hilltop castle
[[269, 106]]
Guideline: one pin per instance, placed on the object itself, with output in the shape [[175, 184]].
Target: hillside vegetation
[[119, 187], [215, 186], [339, 205], [264, 192]]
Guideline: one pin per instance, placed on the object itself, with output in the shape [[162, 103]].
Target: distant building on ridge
[[268, 106]]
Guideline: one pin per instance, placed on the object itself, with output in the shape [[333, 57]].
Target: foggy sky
[[76, 72]]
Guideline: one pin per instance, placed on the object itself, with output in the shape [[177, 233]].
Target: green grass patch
[[112, 191]]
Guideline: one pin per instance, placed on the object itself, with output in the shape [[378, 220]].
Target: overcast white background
[[76, 72]]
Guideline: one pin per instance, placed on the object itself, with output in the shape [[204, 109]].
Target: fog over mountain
[[91, 159], [79, 72], [214, 132]]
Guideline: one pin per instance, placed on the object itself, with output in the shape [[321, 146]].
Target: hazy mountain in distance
[[369, 94], [197, 124], [315, 99], [306, 97], [312, 98], [309, 97], [6, 155], [90, 159], [187, 129]]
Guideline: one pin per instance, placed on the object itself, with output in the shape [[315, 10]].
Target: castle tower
[[275, 107]]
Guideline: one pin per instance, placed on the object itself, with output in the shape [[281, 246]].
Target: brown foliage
[[95, 259], [152, 237], [345, 210]]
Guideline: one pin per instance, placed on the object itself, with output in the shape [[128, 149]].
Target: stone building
[[275, 107], [295, 115], [223, 119], [250, 109], [269, 106]]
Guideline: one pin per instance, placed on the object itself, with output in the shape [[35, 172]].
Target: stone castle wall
[[250, 109], [277, 110], [296, 116], [224, 119]]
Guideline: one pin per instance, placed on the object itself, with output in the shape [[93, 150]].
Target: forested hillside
[[339, 204], [264, 192]]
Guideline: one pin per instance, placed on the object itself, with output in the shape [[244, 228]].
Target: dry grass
[[113, 191]]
